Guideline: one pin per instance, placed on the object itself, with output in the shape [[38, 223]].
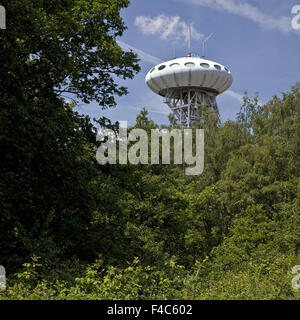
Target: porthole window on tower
[[152, 70], [190, 64], [204, 65], [217, 67], [161, 67], [175, 65]]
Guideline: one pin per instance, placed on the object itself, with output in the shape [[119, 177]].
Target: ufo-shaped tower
[[187, 84]]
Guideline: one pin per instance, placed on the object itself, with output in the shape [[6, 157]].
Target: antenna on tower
[[203, 44], [190, 37], [174, 47]]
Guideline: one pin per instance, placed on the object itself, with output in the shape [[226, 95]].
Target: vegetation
[[72, 229]]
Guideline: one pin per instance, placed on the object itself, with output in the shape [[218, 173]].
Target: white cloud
[[153, 103], [246, 10], [151, 110], [169, 28], [142, 55], [237, 96]]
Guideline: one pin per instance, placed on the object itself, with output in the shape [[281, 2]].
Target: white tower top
[[189, 72], [187, 84]]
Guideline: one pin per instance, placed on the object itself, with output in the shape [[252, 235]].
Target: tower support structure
[[187, 102]]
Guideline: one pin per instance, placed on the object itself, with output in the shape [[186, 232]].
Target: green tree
[[69, 46], [48, 171]]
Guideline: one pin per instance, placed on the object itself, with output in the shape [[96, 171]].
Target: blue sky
[[253, 38]]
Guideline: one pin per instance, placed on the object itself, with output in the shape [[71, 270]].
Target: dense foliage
[[72, 229]]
